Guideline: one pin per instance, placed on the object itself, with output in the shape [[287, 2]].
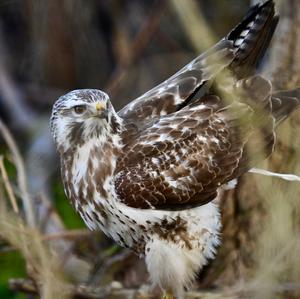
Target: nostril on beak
[[100, 106]]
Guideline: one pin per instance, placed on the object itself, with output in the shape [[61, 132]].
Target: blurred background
[[123, 47]]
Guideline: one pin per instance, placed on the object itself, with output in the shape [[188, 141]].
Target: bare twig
[[116, 291], [28, 286], [69, 234], [105, 263], [49, 219], [139, 43], [23, 285], [7, 249]]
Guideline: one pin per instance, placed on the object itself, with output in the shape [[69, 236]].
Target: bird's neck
[[88, 172]]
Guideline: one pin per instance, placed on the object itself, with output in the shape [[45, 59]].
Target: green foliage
[[11, 263], [12, 266], [67, 213]]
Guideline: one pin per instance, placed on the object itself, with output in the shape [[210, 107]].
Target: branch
[[115, 291], [11, 97], [194, 24], [139, 43], [283, 66]]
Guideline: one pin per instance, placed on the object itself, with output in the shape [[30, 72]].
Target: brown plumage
[[183, 158], [148, 174]]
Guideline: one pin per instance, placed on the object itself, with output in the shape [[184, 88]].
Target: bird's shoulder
[[184, 157]]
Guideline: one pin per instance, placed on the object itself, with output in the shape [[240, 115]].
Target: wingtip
[[267, 3], [250, 16], [252, 36], [272, 4]]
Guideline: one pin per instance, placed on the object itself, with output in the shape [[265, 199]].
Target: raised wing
[[240, 51], [186, 156], [172, 94]]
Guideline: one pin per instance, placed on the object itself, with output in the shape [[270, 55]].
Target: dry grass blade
[[8, 188], [277, 255], [21, 174], [42, 263]]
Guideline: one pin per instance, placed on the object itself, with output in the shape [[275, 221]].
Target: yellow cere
[[100, 106]]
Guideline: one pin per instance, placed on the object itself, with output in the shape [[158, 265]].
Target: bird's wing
[[240, 51], [171, 95], [186, 156], [284, 102]]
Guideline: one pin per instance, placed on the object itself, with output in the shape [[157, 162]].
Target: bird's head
[[80, 115]]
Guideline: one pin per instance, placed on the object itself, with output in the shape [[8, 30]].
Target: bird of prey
[[147, 175]]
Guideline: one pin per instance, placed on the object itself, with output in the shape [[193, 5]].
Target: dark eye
[[80, 109]]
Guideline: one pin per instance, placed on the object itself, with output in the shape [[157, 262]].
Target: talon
[[168, 296]]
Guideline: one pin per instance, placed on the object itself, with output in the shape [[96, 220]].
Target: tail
[[251, 37], [284, 103]]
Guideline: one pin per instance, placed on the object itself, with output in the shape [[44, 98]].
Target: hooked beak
[[102, 112]]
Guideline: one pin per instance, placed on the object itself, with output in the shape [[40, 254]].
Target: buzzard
[[148, 174]]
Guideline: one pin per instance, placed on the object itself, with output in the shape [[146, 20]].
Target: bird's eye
[[80, 109]]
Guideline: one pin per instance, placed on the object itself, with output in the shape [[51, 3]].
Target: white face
[[80, 114]]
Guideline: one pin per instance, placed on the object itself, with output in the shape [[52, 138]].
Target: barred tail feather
[[252, 37]]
